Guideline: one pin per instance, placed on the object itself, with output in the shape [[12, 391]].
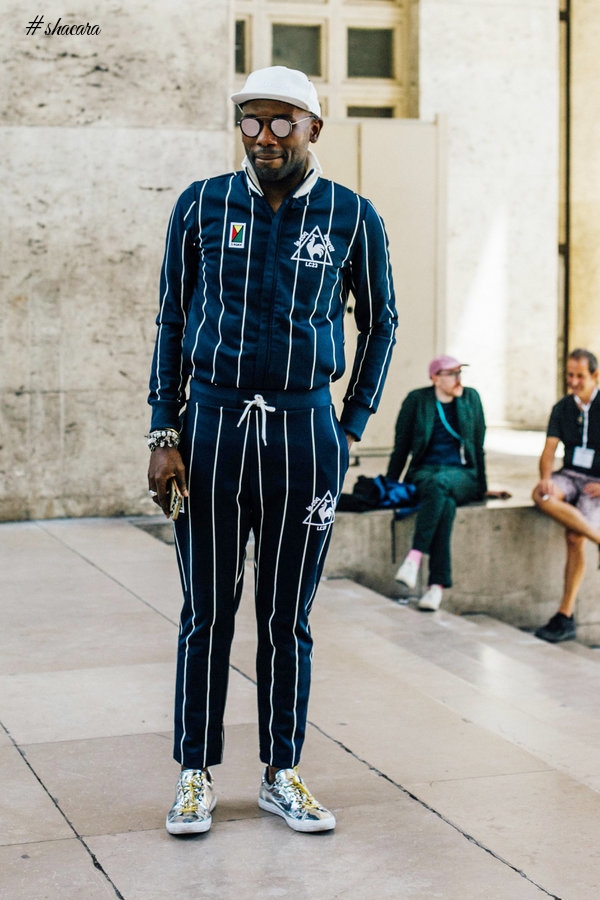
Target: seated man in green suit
[[442, 429]]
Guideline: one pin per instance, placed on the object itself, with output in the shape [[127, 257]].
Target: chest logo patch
[[314, 249], [237, 234]]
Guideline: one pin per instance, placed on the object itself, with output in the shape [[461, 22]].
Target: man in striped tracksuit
[[258, 268]]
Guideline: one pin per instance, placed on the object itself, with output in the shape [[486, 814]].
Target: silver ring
[[153, 493]]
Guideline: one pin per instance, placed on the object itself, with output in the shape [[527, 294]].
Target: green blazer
[[414, 428]]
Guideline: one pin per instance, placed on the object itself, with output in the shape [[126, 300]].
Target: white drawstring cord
[[260, 403]]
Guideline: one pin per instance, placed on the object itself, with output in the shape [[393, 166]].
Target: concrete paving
[[459, 755]]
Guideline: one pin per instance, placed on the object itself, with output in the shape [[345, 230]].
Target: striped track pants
[[271, 464]]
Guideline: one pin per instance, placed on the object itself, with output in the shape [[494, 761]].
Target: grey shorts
[[572, 484]]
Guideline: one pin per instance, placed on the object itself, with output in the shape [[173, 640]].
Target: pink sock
[[416, 555]]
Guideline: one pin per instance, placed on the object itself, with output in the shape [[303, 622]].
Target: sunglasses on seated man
[[280, 126]]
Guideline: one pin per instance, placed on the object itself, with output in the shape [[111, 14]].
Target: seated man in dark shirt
[[571, 496], [442, 429]]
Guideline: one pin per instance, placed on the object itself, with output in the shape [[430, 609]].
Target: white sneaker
[[408, 572], [431, 599]]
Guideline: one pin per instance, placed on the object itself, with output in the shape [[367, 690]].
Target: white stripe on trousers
[[273, 571]]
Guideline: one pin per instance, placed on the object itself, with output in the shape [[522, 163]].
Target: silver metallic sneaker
[[289, 798], [194, 803]]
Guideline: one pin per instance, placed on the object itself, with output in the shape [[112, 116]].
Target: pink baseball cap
[[444, 362]]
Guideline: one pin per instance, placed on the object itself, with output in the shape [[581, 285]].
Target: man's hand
[[165, 463], [545, 489], [592, 489]]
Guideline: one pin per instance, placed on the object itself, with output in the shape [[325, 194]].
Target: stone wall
[[99, 133], [491, 68]]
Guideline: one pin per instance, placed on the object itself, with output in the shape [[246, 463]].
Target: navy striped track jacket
[[255, 300]]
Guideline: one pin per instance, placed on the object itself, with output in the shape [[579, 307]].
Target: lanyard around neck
[[446, 423], [585, 410]]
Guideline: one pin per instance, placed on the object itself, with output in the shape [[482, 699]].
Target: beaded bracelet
[[163, 437]]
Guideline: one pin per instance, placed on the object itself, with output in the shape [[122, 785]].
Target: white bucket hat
[[283, 84]]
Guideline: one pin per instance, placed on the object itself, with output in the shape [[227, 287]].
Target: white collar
[[313, 173], [586, 406]]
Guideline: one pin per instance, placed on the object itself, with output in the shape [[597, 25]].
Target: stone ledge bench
[[507, 562]]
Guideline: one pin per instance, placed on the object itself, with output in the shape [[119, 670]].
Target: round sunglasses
[[280, 126]]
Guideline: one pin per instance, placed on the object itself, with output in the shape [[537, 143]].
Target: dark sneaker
[[289, 798], [195, 800], [559, 628]]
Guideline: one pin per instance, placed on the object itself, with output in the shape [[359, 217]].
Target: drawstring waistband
[[218, 397], [215, 395], [260, 403]]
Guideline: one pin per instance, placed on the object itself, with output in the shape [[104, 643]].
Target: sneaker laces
[[295, 786], [191, 789]]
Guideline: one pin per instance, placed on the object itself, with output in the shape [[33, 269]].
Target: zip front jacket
[[255, 300], [414, 429]]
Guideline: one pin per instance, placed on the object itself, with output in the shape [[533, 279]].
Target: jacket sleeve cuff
[[165, 415], [354, 419]]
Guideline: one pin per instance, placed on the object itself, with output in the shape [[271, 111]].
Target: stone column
[[584, 319], [491, 66]]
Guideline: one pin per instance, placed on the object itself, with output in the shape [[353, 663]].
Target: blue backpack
[[380, 492]]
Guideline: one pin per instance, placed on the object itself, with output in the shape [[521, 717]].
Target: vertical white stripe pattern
[[203, 277], [221, 288], [365, 349], [246, 287], [337, 295], [190, 582], [318, 295], [302, 567], [276, 570], [214, 590], [292, 304], [338, 488], [166, 293], [240, 304], [239, 565]]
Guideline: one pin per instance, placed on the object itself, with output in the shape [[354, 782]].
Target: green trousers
[[440, 489]]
